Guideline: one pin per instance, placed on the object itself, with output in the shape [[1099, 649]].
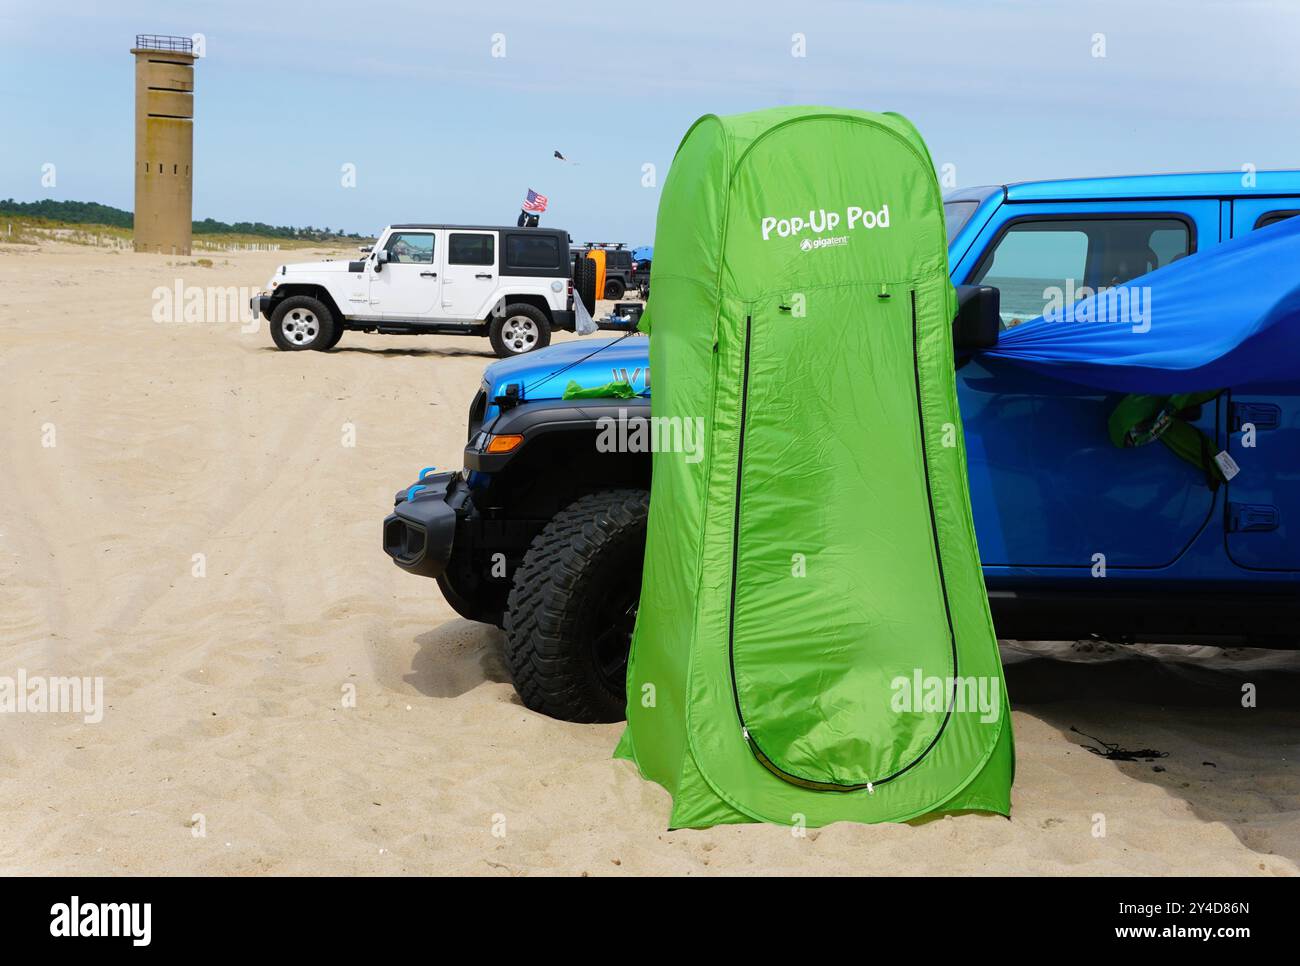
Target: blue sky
[[439, 129]]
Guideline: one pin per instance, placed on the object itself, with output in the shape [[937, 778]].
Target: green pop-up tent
[[813, 642]]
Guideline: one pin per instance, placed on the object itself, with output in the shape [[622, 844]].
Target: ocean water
[[1023, 298]]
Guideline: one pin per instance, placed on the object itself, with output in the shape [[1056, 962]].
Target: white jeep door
[[408, 286], [469, 274]]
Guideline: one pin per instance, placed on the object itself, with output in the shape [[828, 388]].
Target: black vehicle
[[619, 272], [641, 278]]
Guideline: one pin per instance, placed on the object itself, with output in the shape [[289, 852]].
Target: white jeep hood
[[316, 268]]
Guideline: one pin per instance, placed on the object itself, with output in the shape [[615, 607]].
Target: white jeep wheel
[[302, 322], [300, 326], [520, 334], [519, 329]]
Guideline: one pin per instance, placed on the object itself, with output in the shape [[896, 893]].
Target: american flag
[[535, 202]]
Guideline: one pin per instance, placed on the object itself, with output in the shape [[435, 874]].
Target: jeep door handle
[[428, 275], [483, 275], [1259, 415]]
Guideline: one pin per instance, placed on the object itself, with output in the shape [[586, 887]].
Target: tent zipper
[[735, 534], [750, 741]]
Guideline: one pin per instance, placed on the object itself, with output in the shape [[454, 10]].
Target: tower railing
[[184, 45]]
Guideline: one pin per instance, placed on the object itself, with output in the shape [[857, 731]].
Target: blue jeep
[[543, 533]]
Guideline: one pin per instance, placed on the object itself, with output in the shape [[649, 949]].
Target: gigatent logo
[[834, 241]]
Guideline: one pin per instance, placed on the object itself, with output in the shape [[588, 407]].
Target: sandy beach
[[182, 515]]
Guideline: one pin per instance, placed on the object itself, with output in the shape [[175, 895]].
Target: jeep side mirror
[[381, 259], [978, 321]]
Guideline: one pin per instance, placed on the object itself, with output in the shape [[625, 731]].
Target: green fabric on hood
[[611, 390], [813, 642]]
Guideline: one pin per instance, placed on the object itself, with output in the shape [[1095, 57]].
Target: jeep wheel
[[302, 322], [573, 606], [615, 289], [519, 329]]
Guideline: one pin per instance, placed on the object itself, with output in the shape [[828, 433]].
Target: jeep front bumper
[[420, 531], [261, 305]]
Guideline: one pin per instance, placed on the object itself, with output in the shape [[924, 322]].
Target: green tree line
[[92, 213]]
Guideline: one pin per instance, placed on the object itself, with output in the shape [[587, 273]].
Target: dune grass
[[27, 230]]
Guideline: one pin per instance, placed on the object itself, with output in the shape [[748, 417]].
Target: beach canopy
[[813, 642], [1225, 317]]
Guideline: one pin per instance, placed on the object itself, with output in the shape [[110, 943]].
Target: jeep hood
[[590, 362], [315, 268]]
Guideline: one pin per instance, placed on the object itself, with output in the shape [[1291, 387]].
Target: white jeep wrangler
[[513, 285]]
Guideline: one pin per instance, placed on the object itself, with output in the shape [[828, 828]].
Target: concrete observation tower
[[164, 143]]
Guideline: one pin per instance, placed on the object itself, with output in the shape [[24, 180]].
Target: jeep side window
[[1125, 248], [466, 249], [1273, 217], [532, 251], [1047, 263], [411, 248], [1032, 260]]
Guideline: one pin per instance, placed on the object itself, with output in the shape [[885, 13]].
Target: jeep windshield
[[959, 205], [956, 214]]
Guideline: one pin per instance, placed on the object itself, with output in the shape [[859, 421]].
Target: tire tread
[[546, 601]]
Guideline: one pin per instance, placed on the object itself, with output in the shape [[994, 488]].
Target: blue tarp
[[645, 253], [1225, 317]]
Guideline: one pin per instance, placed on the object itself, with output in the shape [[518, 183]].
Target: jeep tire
[[614, 288], [302, 322], [518, 329], [584, 283], [573, 606]]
